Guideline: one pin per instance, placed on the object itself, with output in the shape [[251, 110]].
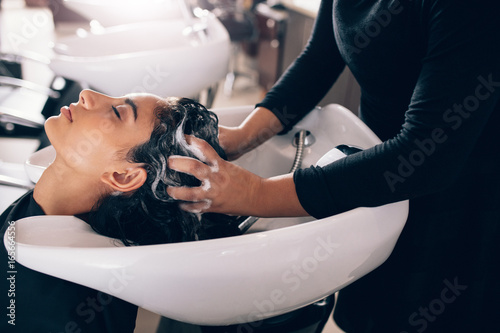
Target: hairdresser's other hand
[[258, 127], [37, 3], [233, 141], [229, 189]]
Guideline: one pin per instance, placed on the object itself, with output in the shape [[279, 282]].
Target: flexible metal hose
[[299, 154]]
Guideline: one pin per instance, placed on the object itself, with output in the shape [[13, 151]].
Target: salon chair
[[12, 119], [15, 121], [240, 25], [24, 107]]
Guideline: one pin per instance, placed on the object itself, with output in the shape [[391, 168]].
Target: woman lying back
[[111, 169]]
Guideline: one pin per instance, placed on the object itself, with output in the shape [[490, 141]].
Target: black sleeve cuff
[[314, 193]]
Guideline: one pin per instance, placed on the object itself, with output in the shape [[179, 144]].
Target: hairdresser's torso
[[429, 65]]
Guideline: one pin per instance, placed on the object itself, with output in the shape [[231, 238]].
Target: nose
[[90, 99]]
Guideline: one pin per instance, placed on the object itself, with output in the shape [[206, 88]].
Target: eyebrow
[[133, 106]]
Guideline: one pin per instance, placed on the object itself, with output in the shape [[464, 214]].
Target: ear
[[128, 180]]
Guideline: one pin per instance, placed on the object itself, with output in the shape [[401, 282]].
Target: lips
[[65, 111]]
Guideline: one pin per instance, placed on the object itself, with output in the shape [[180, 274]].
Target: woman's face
[[94, 135]]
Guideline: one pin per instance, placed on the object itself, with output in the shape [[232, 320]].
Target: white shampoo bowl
[[116, 12], [166, 58], [237, 279]]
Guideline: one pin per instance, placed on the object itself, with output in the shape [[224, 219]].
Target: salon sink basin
[[116, 12], [167, 58], [282, 265]]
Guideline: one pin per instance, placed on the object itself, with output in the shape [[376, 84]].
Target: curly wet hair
[[149, 215]]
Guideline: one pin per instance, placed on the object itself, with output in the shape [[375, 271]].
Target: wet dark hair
[[149, 215]]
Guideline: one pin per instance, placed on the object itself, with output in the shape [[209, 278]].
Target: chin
[[52, 130]]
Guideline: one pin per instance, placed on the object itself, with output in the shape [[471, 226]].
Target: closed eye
[[115, 110]]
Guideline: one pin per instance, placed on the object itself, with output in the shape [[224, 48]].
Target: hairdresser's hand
[[229, 189], [259, 126], [225, 187]]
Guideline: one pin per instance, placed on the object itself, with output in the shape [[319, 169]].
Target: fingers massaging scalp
[[196, 151]]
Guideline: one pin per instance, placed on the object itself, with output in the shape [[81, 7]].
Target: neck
[[60, 192]]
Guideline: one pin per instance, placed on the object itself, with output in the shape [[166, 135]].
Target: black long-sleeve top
[[429, 72], [35, 302]]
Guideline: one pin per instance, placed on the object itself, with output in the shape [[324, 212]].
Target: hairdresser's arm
[[258, 127], [296, 93], [230, 189]]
